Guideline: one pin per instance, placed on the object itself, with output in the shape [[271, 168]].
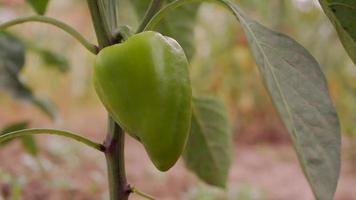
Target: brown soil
[[81, 175]]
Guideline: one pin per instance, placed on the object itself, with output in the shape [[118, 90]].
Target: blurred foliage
[[12, 62], [39, 6], [50, 58], [222, 63], [10, 187], [240, 192]]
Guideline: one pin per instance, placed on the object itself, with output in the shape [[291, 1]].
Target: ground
[[260, 170]]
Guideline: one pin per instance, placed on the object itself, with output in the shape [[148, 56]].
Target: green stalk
[[115, 140], [115, 159], [101, 32], [48, 20], [77, 137]]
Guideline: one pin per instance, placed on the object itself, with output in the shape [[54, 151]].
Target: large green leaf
[[12, 58], [179, 24], [299, 91], [40, 6], [342, 14], [208, 151]]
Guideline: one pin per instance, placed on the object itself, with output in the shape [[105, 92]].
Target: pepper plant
[[142, 78]]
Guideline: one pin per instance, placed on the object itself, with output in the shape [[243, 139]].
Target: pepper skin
[[144, 84]]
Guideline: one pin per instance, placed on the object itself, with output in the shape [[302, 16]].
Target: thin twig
[[74, 136], [48, 20], [144, 195]]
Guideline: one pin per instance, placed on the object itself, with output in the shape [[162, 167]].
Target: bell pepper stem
[[48, 20], [102, 35], [77, 137]]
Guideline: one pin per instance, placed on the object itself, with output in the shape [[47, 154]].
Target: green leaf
[[12, 52], [40, 6], [30, 145], [46, 106], [12, 59], [299, 91], [209, 147], [28, 141], [14, 127], [51, 59], [11, 128], [140, 7], [342, 13], [179, 24]]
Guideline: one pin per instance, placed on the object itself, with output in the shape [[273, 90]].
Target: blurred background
[[264, 167]]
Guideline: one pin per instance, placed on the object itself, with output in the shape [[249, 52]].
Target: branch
[[144, 195], [65, 27], [74, 136]]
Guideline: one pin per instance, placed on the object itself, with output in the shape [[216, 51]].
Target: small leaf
[[179, 24], [140, 7], [299, 91], [52, 59], [209, 147], [46, 106], [11, 128], [14, 127], [343, 16], [40, 6], [30, 145]]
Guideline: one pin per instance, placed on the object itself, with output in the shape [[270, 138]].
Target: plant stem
[[115, 140], [152, 10], [48, 20], [25, 132], [101, 33]]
